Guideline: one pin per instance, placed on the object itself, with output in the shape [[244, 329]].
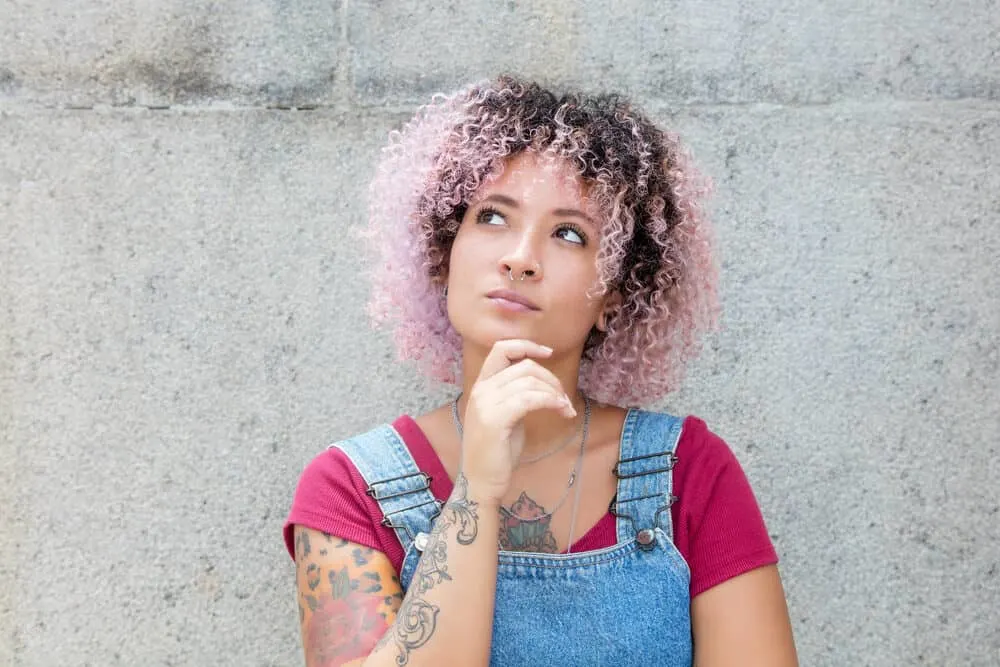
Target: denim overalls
[[627, 604]]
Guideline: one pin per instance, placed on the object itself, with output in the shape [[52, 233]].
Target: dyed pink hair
[[655, 247]]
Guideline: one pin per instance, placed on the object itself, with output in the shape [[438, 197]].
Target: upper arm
[[348, 596], [743, 621]]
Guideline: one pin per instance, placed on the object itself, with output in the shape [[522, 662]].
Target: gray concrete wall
[[183, 328]]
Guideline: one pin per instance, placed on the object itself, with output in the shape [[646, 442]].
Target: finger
[[487, 399], [507, 352], [527, 368], [519, 404], [531, 384]]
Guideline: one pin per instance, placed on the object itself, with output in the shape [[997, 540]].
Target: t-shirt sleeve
[[720, 529], [330, 497]]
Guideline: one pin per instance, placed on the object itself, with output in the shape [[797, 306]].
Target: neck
[[542, 428]]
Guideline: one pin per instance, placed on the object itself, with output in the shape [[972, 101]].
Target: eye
[[490, 216], [573, 234]]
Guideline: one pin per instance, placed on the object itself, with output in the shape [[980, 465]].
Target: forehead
[[534, 177]]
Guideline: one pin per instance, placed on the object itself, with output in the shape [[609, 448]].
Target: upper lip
[[510, 295]]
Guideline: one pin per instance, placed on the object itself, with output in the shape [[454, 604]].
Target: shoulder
[[695, 442], [329, 483], [706, 466], [344, 460], [331, 494], [719, 524], [334, 460], [330, 467], [702, 445]]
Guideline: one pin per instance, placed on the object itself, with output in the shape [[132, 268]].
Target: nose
[[521, 263], [513, 274]]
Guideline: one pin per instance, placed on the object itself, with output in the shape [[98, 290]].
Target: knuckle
[[541, 385], [525, 400], [544, 382]]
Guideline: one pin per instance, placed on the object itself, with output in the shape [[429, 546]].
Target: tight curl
[[656, 241]]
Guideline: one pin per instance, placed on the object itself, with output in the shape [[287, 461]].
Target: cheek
[[455, 254], [573, 303], [467, 254]]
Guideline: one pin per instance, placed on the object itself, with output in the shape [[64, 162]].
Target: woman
[[549, 256]]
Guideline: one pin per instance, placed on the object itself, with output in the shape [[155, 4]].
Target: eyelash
[[487, 211], [576, 230]]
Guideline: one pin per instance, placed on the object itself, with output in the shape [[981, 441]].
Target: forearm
[[447, 614]]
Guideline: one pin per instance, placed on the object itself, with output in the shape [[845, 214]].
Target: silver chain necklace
[[521, 462], [572, 475]]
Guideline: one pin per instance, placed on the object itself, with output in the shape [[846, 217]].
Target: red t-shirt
[[718, 527]]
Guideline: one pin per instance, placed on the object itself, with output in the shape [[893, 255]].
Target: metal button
[[646, 537], [420, 541]]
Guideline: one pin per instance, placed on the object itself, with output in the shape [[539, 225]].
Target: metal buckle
[[613, 508], [387, 522], [371, 491], [613, 505], [671, 462]]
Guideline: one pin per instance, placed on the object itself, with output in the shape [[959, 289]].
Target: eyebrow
[[513, 203]]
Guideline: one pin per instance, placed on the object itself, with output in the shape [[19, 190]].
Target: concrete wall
[[183, 328]]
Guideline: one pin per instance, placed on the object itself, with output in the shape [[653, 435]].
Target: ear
[[612, 303]]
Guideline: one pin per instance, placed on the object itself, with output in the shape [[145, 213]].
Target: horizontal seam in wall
[[653, 105]]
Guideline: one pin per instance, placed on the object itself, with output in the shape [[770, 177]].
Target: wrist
[[482, 500], [487, 496]]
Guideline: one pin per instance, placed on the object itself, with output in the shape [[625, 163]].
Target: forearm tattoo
[[417, 618]]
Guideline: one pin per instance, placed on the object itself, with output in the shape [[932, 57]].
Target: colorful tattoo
[[526, 527], [342, 610]]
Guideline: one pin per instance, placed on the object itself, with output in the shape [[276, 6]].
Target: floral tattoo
[[344, 608]]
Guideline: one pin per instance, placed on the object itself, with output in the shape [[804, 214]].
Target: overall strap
[[645, 476], [401, 490]]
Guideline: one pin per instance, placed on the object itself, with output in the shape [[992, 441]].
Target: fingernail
[[546, 348]]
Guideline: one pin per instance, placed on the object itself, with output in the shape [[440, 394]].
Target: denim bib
[[627, 604]]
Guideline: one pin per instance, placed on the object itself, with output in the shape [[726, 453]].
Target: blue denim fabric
[[627, 604]]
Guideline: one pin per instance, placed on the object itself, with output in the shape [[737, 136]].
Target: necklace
[[521, 462], [572, 475]]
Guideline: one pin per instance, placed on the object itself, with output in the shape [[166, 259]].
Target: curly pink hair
[[655, 248]]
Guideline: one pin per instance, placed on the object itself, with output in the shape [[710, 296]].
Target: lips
[[513, 297]]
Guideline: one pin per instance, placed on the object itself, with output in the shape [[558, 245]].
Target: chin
[[486, 331]]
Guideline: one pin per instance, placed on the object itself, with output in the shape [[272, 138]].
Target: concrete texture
[[153, 53], [183, 322]]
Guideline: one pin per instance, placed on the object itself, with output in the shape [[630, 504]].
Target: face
[[533, 224]]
